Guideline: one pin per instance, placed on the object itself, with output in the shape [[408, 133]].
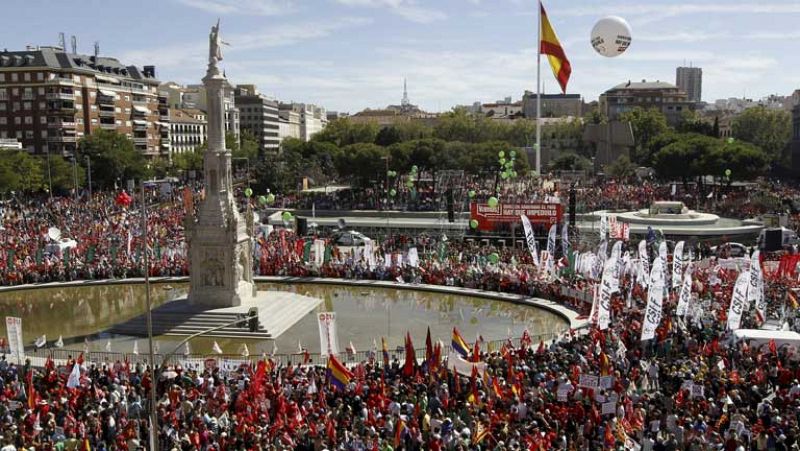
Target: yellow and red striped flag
[[550, 45], [792, 296]]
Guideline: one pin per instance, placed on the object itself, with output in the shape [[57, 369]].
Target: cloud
[[257, 7], [189, 59], [407, 9]]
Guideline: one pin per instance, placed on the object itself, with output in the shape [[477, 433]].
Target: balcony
[[106, 113], [59, 81], [165, 141], [108, 126], [62, 139], [139, 140], [61, 109], [105, 100], [60, 96], [61, 124]]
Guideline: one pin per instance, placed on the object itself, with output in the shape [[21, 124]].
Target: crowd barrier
[[229, 362]]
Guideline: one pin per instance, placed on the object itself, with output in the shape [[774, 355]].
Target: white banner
[[738, 300], [604, 298], [686, 292], [677, 265], [551, 250], [413, 258], [755, 293], [565, 239], [662, 255], [369, 253], [644, 264], [616, 269], [603, 226], [530, 239], [328, 344], [319, 252], [15, 344], [655, 299]]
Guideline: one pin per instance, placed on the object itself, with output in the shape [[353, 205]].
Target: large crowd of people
[[691, 387]]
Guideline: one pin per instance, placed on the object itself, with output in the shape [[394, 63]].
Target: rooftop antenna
[[74, 44], [96, 49], [62, 41]]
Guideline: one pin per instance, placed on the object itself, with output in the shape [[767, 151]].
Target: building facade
[[259, 116], [553, 105], [194, 97], [289, 126], [690, 81], [50, 99], [188, 129], [659, 95], [312, 118]]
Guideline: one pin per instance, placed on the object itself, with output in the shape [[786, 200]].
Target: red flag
[[773, 348], [476, 352], [428, 347], [541, 347], [411, 358]]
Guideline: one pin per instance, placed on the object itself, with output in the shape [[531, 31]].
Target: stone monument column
[[220, 253]]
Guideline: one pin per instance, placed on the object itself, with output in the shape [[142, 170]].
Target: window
[[127, 123], [128, 110], [26, 105], [19, 134], [127, 98], [42, 105], [119, 122], [44, 134], [41, 91], [94, 107], [28, 134], [15, 91], [3, 120], [17, 120], [3, 134], [78, 106], [79, 121], [2, 106], [39, 76], [28, 120], [14, 76], [43, 119], [3, 94], [27, 76], [94, 121]]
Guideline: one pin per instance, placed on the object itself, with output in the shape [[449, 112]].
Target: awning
[[108, 93], [141, 109], [163, 124], [107, 79], [137, 122]]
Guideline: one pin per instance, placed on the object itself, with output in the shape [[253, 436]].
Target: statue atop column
[[214, 50]]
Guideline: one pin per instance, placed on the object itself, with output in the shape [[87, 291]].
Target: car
[[349, 238], [731, 250]]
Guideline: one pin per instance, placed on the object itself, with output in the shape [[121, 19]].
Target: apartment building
[[50, 98]]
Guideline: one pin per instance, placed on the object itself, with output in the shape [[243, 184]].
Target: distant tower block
[[405, 102]]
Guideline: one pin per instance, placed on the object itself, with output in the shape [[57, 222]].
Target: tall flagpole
[[539, 93]]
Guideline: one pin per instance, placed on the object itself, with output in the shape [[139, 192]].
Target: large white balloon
[[611, 36]]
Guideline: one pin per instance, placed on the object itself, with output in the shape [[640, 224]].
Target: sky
[[347, 55]]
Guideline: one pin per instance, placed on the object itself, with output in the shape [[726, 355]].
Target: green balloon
[[410, 184], [262, 200], [514, 174], [492, 202], [502, 161], [414, 168], [473, 223], [504, 175], [471, 193], [513, 153], [392, 192], [270, 198], [731, 140], [494, 257], [727, 172], [286, 216], [248, 192], [501, 154], [510, 165]]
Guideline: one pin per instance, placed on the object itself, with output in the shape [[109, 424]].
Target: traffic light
[[252, 319]]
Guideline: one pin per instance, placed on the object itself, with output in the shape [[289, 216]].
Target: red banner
[[540, 213]]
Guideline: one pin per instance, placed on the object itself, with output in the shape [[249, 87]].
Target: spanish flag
[[338, 375], [550, 45], [399, 432], [385, 350], [459, 344]]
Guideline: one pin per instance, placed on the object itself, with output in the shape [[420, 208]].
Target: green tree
[[570, 162], [621, 169], [388, 136], [114, 158], [646, 124], [768, 129], [363, 162], [62, 173], [343, 132], [745, 161]]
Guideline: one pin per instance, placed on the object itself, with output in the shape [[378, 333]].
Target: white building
[[312, 118], [194, 96], [289, 126], [188, 129]]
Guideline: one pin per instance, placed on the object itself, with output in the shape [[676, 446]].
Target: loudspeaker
[[451, 216], [302, 226], [773, 240]]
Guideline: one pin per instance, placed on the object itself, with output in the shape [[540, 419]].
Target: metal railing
[[59, 356]]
